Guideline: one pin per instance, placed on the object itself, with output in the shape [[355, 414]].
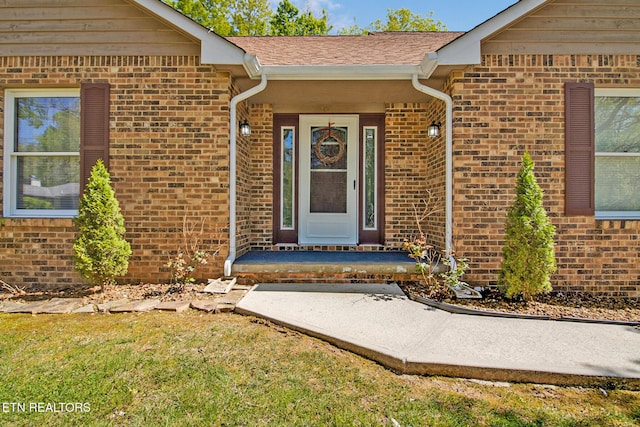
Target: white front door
[[328, 171]]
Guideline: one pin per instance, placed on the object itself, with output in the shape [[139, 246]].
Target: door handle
[[354, 184]]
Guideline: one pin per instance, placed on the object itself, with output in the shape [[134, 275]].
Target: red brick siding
[[261, 185], [36, 252], [513, 103], [436, 175], [414, 166], [169, 154], [243, 181]]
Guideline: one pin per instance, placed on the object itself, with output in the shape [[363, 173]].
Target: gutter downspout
[[449, 158], [233, 135]]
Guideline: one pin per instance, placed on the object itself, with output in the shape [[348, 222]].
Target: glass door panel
[[328, 170]]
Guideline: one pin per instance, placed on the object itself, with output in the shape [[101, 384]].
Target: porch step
[[323, 267], [312, 278], [326, 280]]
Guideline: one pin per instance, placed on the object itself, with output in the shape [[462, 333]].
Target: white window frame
[[375, 178], [617, 215], [291, 129], [11, 156]]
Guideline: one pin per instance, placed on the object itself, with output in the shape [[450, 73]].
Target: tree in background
[[100, 251], [399, 20], [227, 17], [213, 14], [528, 257], [252, 17], [287, 21], [256, 18]]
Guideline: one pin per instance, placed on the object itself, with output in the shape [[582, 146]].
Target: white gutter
[[338, 72], [449, 158], [233, 135]]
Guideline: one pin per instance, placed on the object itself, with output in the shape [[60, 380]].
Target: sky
[[457, 15]]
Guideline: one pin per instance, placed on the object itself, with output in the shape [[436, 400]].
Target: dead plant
[[426, 256], [190, 254], [15, 290]]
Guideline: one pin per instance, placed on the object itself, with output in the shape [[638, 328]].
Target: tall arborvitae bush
[[528, 256], [100, 251]]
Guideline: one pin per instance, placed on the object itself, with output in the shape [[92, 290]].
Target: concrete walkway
[[381, 323]]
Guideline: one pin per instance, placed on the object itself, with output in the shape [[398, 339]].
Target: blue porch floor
[[323, 257]]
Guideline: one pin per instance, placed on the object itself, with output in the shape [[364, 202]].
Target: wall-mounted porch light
[[434, 129], [245, 128]]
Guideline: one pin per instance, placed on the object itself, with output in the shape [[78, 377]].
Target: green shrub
[[528, 257], [100, 251]]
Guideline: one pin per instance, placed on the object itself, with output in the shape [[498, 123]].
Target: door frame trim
[[371, 236], [288, 237], [279, 121]]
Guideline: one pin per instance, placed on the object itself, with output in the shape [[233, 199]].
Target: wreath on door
[[328, 137]]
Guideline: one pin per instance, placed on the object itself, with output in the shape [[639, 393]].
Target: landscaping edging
[[456, 309]]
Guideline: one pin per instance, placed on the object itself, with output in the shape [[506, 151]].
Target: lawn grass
[[166, 369]]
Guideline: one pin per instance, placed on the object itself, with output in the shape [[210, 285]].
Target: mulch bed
[[554, 304], [141, 291]]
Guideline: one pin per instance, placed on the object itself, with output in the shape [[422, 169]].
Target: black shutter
[[579, 149], [94, 128]]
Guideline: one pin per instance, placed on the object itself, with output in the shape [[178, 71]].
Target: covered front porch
[[327, 182]]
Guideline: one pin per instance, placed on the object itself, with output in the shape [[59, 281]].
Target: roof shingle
[[390, 48]]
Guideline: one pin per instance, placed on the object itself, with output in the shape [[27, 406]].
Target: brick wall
[[169, 137], [513, 103], [414, 168], [243, 180], [435, 169], [169, 161], [36, 252], [261, 188]]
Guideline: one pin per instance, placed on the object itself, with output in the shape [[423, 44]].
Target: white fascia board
[[465, 50], [341, 72], [214, 49]]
